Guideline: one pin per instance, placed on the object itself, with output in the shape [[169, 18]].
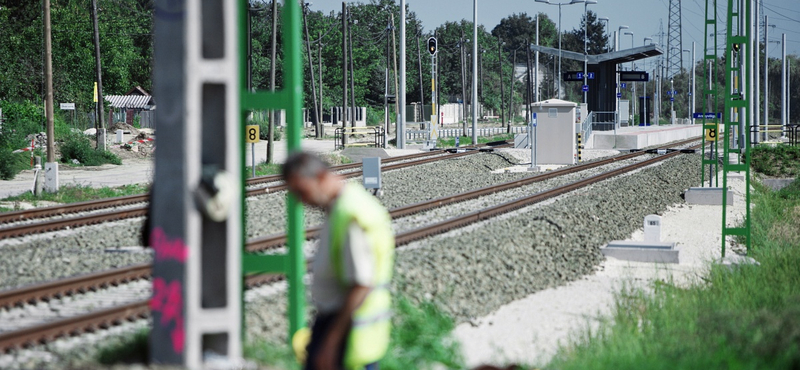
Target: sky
[[642, 16]]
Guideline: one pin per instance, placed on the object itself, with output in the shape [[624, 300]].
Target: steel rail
[[98, 204], [49, 331], [278, 240], [66, 223]]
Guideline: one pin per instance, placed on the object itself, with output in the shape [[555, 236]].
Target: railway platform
[[637, 137]]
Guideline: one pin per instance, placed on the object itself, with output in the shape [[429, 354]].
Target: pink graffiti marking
[[168, 296], [168, 299], [167, 249]]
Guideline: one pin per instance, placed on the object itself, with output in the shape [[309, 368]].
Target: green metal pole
[[290, 99], [293, 84]]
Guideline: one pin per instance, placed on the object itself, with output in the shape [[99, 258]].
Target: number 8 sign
[[252, 134]]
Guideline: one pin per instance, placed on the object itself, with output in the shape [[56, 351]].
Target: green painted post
[[710, 92], [293, 80], [737, 105], [290, 99]]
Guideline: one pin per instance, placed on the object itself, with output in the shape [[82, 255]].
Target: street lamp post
[[558, 93], [586, 46], [633, 103], [616, 48], [646, 119], [671, 102]]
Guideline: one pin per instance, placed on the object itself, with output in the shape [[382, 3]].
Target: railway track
[[141, 210], [52, 330]]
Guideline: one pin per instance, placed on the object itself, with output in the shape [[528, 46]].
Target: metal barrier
[[602, 121], [791, 132], [415, 135], [377, 132]]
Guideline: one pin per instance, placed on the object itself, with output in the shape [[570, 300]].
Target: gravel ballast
[[472, 271]]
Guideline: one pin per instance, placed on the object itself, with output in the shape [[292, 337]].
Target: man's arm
[[330, 345]]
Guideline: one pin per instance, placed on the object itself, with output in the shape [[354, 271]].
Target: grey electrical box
[[371, 171]]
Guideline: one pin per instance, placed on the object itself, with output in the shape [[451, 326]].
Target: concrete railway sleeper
[[49, 331]]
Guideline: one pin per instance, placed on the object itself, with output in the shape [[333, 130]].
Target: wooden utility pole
[[511, 98], [396, 88], [99, 123], [321, 132], [421, 91], [48, 81], [463, 86], [352, 79], [344, 71], [272, 62], [317, 116], [502, 92]]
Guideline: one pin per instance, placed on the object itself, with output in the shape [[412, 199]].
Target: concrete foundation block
[[707, 196], [51, 177], [642, 251], [735, 176], [778, 184]]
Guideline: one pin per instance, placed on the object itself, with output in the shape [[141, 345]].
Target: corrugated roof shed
[[130, 101]]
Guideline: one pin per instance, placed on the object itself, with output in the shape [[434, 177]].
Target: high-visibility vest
[[371, 325]]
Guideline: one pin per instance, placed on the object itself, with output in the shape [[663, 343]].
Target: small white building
[[555, 131]]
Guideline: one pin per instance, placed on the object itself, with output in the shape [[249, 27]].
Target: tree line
[[126, 41]]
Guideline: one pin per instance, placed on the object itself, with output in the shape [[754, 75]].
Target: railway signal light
[[432, 45]]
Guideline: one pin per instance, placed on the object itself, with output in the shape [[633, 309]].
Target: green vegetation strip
[[79, 193], [466, 140], [777, 161], [746, 317]]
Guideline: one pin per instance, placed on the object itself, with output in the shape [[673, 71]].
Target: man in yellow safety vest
[[351, 270]]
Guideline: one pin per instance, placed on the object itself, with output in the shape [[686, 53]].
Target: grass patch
[[779, 160], [421, 339], [746, 318], [80, 193], [334, 159], [264, 169], [129, 350], [467, 140]]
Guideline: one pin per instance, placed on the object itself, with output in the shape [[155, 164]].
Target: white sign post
[[67, 106]]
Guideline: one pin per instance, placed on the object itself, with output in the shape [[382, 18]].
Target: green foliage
[[421, 338], [275, 355], [12, 163], [125, 43], [375, 116], [80, 148], [129, 350], [779, 160], [467, 140], [264, 169], [742, 318]]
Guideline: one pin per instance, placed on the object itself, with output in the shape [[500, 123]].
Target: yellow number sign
[[712, 132], [252, 134]]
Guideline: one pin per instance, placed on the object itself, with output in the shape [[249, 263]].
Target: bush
[[79, 147], [375, 116], [12, 163], [20, 121]]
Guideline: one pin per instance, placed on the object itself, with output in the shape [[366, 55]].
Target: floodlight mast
[[558, 93]]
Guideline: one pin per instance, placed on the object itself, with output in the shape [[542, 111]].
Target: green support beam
[[738, 104], [710, 164], [290, 98]]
